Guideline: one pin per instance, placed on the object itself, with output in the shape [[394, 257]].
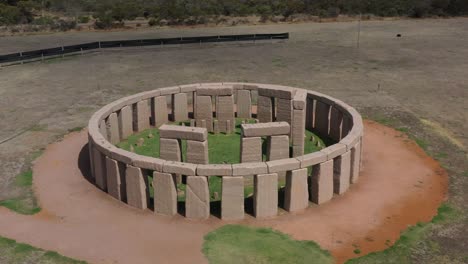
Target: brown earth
[[399, 186]]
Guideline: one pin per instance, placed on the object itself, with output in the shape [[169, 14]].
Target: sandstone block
[[278, 147], [322, 118], [169, 90], [216, 127], [125, 122], [197, 198], [251, 149], [355, 162], [179, 168], [277, 91], [336, 120], [115, 174], [142, 112], [197, 152], [334, 150], [192, 122], [179, 107], [169, 149], [314, 158], [113, 128], [296, 192], [284, 110], [341, 173], [265, 195], [225, 112], [249, 168], [160, 114], [265, 129], [299, 101], [103, 129], [283, 165], [149, 163], [137, 195], [298, 132], [232, 200], [181, 132], [310, 112], [321, 182], [244, 104], [99, 163], [165, 194], [204, 111], [214, 170], [218, 90], [264, 109]]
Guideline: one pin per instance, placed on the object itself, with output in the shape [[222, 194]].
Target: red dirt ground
[[399, 186]]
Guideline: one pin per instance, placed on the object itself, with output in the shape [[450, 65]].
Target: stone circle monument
[[283, 114]]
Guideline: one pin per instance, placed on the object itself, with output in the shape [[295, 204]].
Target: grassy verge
[[13, 252], [242, 244]]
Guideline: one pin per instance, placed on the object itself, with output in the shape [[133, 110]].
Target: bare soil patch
[[399, 186]]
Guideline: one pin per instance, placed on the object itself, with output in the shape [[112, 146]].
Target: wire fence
[[57, 51]]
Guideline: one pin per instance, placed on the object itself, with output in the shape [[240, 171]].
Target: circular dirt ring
[[399, 186]]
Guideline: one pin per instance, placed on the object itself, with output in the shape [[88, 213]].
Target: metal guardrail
[[35, 54]]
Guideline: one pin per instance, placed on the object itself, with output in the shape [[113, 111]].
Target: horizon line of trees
[[110, 11]]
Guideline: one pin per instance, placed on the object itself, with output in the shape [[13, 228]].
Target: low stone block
[[125, 122], [249, 168], [264, 109], [179, 107], [341, 173], [296, 196], [142, 112], [169, 149], [283, 165], [244, 104], [265, 195], [182, 132], [321, 182], [232, 199], [115, 174], [214, 170], [197, 198], [179, 168], [197, 152], [278, 147], [160, 114], [137, 195], [265, 129], [165, 193], [251, 149]]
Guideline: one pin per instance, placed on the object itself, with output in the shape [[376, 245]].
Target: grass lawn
[[13, 252], [242, 244], [222, 148]]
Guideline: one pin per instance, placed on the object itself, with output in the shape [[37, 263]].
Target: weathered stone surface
[[249, 168], [265, 195], [299, 101], [125, 122], [103, 129], [197, 198], [265, 129], [225, 112], [264, 109], [169, 149], [159, 111], [278, 147], [283, 165], [321, 182], [284, 110], [232, 200], [181, 132], [244, 104], [216, 90], [169, 90], [276, 91], [251, 149], [215, 126], [141, 120], [165, 193], [214, 170], [179, 107], [298, 132], [322, 118], [115, 174], [312, 159], [197, 152], [296, 195], [192, 122], [99, 163], [341, 173], [204, 111], [229, 127], [334, 150], [149, 163], [113, 128], [336, 120], [137, 195], [179, 168], [355, 162]]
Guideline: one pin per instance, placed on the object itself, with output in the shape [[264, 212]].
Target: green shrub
[[83, 19]]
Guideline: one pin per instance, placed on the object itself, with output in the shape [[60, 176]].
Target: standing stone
[[228, 127], [197, 152], [284, 110], [225, 112], [113, 128], [336, 122], [204, 111], [265, 195], [179, 107], [341, 173], [115, 173], [298, 132], [232, 200], [278, 148], [165, 193], [244, 104], [321, 182], [136, 188], [159, 111], [296, 196], [169, 149], [216, 127], [264, 109], [355, 161], [322, 118], [192, 122], [141, 120], [125, 122], [251, 149], [100, 175], [103, 129], [197, 198]]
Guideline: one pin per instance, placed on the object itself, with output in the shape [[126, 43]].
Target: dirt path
[[399, 186]]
